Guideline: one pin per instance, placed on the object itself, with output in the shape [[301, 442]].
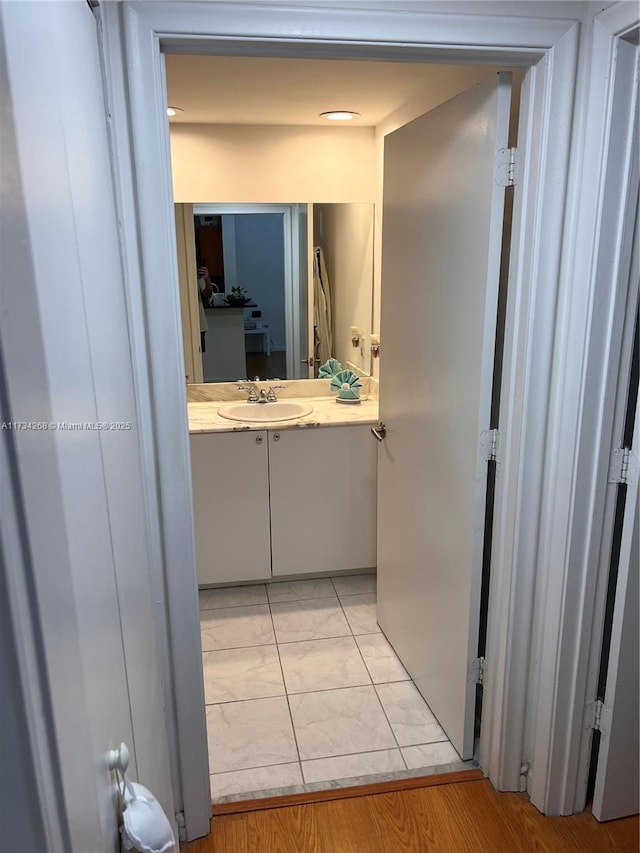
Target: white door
[[441, 242], [617, 788], [65, 348]]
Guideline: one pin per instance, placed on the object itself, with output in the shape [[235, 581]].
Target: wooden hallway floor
[[465, 817]]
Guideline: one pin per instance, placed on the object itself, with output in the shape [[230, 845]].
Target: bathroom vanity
[[286, 499]]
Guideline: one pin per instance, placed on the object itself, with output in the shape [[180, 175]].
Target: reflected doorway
[[253, 320]]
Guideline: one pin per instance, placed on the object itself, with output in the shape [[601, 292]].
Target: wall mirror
[[291, 286]]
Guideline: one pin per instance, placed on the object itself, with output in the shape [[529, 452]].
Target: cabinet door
[[323, 500], [230, 475]]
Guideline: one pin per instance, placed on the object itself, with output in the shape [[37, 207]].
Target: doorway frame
[[571, 606], [544, 239], [292, 266]]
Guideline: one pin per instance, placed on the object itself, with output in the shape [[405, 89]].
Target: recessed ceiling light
[[340, 115], [173, 111]]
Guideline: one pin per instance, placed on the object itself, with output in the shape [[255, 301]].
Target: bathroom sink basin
[[282, 410]]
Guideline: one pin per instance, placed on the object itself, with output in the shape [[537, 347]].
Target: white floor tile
[[317, 619], [254, 733], [255, 779], [233, 674], [381, 660], [354, 584], [360, 611], [337, 722], [233, 627], [317, 632], [232, 596], [410, 717], [346, 766], [322, 665], [300, 590], [430, 755]]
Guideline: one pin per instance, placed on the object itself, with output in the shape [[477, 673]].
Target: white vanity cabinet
[[230, 476], [290, 502], [323, 500]]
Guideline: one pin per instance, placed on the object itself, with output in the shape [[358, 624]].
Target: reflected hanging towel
[[322, 319]]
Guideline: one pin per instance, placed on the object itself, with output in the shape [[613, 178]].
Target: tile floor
[[303, 691]]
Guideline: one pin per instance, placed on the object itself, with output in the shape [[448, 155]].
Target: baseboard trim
[[242, 806]]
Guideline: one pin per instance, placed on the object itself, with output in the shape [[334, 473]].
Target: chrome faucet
[[253, 393], [271, 394], [261, 396]]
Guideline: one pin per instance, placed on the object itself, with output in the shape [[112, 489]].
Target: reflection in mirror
[[343, 249], [273, 290]]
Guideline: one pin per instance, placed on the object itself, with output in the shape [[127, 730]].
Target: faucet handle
[[253, 394], [271, 395]]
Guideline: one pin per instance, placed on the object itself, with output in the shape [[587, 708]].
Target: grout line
[[386, 716], [302, 597], [237, 648], [224, 606], [329, 689], [362, 752], [286, 695], [257, 767], [391, 680], [237, 607], [299, 600], [331, 598], [427, 743], [363, 659], [313, 639], [356, 595], [233, 606], [346, 618], [248, 699]]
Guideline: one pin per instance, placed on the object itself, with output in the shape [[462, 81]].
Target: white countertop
[[204, 417]]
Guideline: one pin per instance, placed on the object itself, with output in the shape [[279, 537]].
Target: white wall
[[345, 233], [245, 163]]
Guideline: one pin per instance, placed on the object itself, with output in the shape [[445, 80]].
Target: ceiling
[[251, 90]]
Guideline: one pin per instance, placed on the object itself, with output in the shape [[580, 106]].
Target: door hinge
[[505, 171], [525, 771], [600, 717], [477, 671], [182, 826], [623, 467], [597, 714], [489, 443]]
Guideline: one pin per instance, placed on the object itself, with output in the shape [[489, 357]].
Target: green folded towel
[[347, 384], [329, 368]]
